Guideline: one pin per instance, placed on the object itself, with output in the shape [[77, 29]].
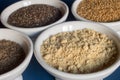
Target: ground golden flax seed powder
[[80, 51], [99, 10]]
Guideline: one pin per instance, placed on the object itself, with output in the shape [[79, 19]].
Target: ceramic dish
[[70, 26], [113, 25], [26, 43], [33, 31]]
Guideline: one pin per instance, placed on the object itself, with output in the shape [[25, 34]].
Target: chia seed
[[34, 16]]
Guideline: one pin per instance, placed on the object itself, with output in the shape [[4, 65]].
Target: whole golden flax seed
[[80, 51], [99, 10]]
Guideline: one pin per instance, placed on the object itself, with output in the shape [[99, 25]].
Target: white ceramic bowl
[[113, 25], [32, 31], [26, 43], [70, 26]]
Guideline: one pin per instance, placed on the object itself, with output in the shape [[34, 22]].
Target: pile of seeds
[[34, 16], [100, 10], [11, 55], [80, 51]]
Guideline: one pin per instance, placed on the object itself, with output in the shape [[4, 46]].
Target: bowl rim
[[70, 75], [74, 7], [65, 15], [24, 62]]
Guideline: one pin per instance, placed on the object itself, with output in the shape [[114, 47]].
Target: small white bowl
[[32, 31], [70, 26], [26, 43], [113, 25]]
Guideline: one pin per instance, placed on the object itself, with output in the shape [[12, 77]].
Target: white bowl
[[113, 25], [70, 26], [32, 31], [26, 43]]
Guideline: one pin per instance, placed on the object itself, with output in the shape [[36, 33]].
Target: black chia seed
[[11, 55], [34, 16]]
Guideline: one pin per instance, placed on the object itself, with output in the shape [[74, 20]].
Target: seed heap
[[80, 51], [11, 55], [34, 16], [99, 10]]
